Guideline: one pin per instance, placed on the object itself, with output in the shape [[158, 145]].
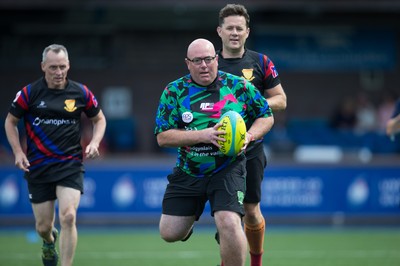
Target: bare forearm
[[260, 127], [98, 132], [12, 134], [99, 128], [178, 138], [276, 98], [277, 102]]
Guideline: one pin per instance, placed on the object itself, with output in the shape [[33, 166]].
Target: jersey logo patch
[[42, 104], [273, 71], [187, 117], [70, 105], [248, 74], [206, 106]]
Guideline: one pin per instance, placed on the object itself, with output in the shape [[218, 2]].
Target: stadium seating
[[121, 134], [316, 131]]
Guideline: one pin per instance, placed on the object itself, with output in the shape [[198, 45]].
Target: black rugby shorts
[[186, 195], [42, 192], [255, 167]]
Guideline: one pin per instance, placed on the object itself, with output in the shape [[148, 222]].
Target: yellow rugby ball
[[235, 128]]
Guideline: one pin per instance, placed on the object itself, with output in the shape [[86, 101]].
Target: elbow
[[272, 123], [161, 141], [281, 104], [162, 144], [284, 105]]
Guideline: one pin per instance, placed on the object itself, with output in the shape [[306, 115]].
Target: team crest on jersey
[[70, 105], [248, 74]]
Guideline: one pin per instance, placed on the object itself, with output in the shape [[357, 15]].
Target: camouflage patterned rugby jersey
[[189, 106]]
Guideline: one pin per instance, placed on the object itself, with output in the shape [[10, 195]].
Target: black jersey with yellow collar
[[253, 66], [53, 129]]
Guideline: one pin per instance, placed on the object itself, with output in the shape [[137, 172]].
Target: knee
[[229, 226], [252, 211], [229, 221], [68, 219], [172, 234], [43, 228], [168, 236]]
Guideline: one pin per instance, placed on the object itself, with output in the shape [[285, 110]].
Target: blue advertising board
[[321, 190], [285, 190]]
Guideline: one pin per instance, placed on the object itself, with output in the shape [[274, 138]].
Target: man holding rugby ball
[[187, 119]]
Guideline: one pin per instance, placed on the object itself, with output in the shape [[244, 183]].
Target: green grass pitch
[[284, 246]]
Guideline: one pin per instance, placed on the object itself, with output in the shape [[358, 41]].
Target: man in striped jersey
[[51, 108]]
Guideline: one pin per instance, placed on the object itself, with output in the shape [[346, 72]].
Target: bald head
[[200, 46]]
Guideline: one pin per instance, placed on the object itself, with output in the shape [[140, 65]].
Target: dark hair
[[233, 10]]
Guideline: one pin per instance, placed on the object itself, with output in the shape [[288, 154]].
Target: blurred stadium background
[[329, 53]]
